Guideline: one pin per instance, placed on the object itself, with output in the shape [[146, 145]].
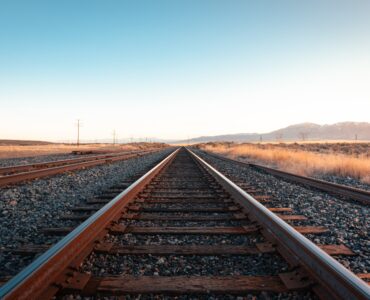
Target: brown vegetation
[[12, 151], [296, 159]]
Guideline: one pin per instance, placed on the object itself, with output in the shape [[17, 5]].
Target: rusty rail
[[57, 167], [36, 280], [335, 281], [36, 166]]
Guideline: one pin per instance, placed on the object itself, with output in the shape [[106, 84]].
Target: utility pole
[[114, 137], [78, 132]]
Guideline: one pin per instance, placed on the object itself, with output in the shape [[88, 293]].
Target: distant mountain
[[298, 132], [237, 137]]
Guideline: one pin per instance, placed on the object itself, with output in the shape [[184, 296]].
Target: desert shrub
[[300, 161]]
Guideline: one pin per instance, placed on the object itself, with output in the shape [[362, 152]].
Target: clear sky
[[174, 69]]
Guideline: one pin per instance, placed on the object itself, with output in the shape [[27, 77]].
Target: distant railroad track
[[358, 195], [15, 174], [189, 192]]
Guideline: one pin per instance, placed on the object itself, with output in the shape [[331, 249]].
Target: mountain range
[[297, 132], [349, 131]]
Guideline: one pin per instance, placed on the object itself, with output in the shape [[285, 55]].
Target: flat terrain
[[20, 149]]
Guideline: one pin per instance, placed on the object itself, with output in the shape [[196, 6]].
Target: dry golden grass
[[298, 161], [12, 151]]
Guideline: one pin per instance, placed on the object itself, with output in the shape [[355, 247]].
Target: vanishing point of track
[[183, 190]]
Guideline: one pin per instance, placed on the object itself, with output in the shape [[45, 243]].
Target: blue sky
[[174, 69]]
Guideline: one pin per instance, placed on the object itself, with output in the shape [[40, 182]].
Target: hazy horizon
[[180, 69], [175, 140]]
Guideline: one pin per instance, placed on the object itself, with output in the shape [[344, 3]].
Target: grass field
[[13, 151], [348, 159]]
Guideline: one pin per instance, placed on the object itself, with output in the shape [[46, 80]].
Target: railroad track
[[184, 228], [347, 192], [15, 174]]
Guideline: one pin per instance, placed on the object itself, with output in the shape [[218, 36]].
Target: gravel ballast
[[27, 208], [184, 239], [178, 265], [348, 181]]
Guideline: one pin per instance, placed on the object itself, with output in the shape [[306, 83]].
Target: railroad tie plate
[[296, 280], [77, 282]]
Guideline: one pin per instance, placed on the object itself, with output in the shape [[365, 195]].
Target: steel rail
[[56, 163], [335, 281], [41, 274], [19, 177], [356, 194]]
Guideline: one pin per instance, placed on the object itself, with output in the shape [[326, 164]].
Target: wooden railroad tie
[[154, 217], [183, 197], [121, 229], [186, 230], [224, 217], [85, 284], [210, 210], [112, 248], [159, 209], [176, 191], [180, 201], [206, 249]]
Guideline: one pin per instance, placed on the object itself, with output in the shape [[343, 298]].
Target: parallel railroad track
[[15, 174], [183, 210], [358, 195]]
